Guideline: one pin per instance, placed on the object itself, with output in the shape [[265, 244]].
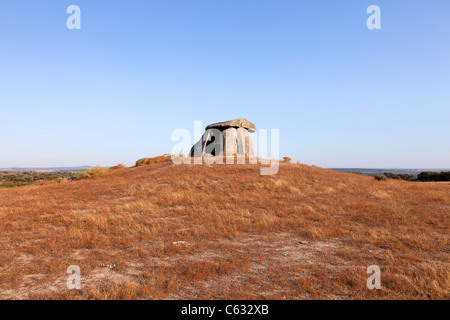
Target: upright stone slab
[[229, 141], [242, 135], [250, 147]]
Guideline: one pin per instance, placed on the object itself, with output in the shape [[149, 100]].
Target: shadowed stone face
[[211, 143], [231, 137], [214, 142]]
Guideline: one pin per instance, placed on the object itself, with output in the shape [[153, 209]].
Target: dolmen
[[229, 137]]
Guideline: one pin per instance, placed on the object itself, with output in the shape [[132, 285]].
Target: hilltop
[[165, 231]]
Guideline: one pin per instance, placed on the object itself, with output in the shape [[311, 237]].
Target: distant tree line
[[434, 176], [407, 177], [426, 176]]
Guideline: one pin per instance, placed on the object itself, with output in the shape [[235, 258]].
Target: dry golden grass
[[148, 161], [119, 166], [166, 231]]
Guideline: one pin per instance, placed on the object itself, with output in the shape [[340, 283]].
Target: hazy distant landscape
[[373, 172], [369, 172]]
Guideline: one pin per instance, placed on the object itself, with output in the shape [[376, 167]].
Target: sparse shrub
[[40, 182], [13, 184], [147, 161], [61, 180], [287, 159], [91, 173], [54, 181], [380, 177], [119, 166]]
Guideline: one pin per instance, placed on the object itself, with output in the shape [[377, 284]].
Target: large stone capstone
[[231, 137], [237, 123]]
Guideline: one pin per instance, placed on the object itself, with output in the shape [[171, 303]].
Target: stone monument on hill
[[230, 137]]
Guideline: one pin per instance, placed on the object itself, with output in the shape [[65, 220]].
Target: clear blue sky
[[341, 95]]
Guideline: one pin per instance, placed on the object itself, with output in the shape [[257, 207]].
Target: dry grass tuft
[[148, 161], [91, 173], [119, 166]]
